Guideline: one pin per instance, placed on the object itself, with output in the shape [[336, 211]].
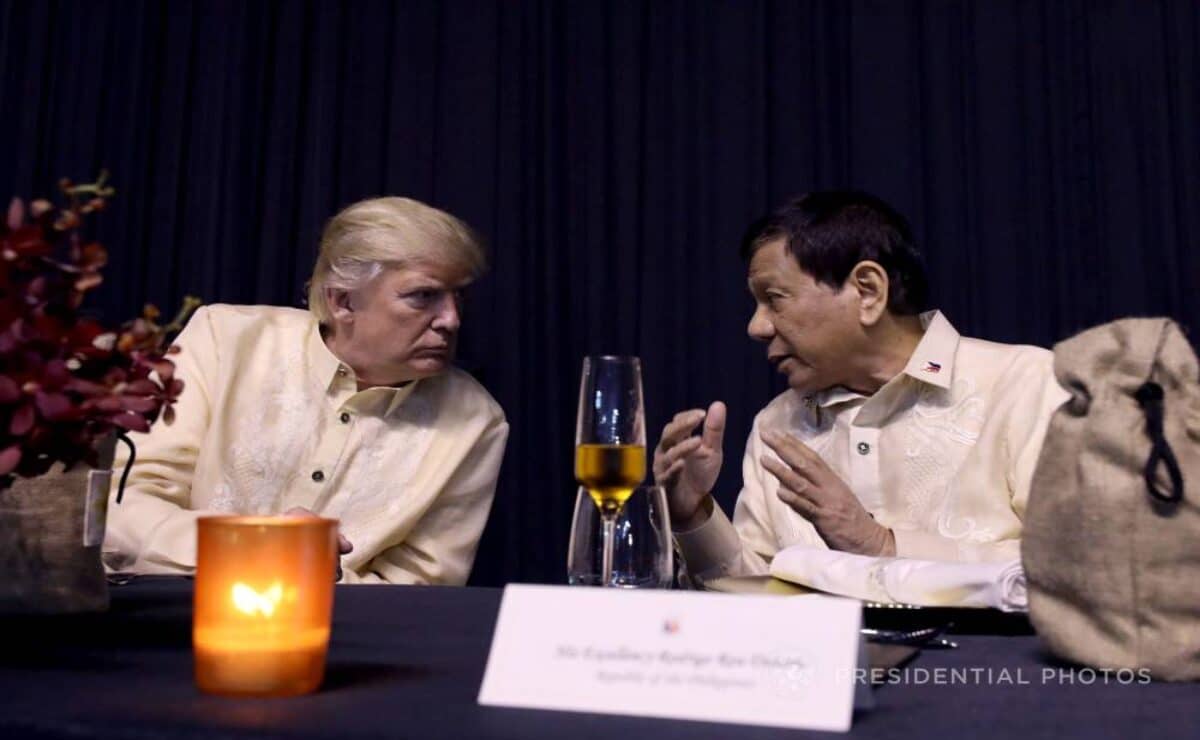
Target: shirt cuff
[[710, 547], [925, 546]]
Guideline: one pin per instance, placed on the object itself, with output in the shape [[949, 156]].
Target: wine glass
[[642, 551], [610, 439]]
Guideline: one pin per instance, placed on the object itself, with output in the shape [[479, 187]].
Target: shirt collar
[[326, 367], [932, 361], [832, 397], [337, 382]]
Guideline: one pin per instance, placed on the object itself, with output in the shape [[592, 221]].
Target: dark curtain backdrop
[[1048, 154]]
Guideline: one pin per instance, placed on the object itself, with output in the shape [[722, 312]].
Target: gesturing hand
[[813, 490], [687, 466]]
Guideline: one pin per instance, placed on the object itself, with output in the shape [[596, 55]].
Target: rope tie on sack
[[1150, 397]]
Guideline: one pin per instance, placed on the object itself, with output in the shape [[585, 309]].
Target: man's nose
[[449, 315], [760, 327]]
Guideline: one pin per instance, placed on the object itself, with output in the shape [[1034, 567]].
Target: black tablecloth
[[407, 662]]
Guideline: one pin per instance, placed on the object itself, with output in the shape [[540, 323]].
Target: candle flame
[[249, 601]]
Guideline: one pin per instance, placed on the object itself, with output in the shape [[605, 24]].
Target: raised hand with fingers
[[815, 492], [687, 465]]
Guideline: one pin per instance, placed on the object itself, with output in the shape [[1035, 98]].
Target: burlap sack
[[1111, 545]]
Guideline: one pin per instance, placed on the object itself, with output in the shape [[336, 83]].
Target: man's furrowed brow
[[759, 281]]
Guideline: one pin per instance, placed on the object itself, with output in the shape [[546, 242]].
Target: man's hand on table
[[344, 546]]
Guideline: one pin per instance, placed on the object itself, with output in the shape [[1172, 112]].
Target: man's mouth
[[778, 360], [433, 351]]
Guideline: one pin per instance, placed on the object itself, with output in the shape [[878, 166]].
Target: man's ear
[[870, 281], [340, 303]]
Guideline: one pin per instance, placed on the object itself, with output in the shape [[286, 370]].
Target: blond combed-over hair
[[370, 235]]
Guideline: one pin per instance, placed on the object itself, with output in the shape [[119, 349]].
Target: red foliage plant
[[66, 380]]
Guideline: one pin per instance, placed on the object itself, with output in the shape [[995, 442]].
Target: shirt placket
[[864, 467], [324, 464]]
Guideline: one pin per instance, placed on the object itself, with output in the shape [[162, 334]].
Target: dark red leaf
[[67, 220], [85, 332], [10, 457], [165, 369], [131, 421], [141, 387], [37, 289], [16, 214], [140, 404], [53, 406], [109, 403], [85, 388], [56, 374], [87, 281], [49, 328], [8, 342], [22, 420], [93, 257], [9, 391]]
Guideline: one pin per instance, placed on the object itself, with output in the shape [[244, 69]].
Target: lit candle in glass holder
[[263, 603]]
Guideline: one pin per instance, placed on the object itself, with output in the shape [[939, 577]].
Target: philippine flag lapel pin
[[932, 367]]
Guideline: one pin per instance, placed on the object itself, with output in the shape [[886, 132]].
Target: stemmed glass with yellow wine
[[610, 439]]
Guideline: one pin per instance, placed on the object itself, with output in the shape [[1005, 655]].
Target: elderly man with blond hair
[[350, 410]]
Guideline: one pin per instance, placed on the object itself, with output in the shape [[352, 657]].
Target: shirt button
[[342, 371], [318, 476], [864, 448], [345, 417]]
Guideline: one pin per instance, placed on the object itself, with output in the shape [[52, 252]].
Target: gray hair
[[364, 238]]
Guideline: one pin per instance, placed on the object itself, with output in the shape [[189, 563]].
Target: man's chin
[[802, 390], [427, 367], [803, 383]]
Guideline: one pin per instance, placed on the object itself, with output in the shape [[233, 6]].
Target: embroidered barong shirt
[[943, 454], [269, 419]]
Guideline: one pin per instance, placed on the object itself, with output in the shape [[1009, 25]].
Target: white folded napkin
[[903, 580]]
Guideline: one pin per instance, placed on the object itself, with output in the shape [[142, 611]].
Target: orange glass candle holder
[[263, 603]]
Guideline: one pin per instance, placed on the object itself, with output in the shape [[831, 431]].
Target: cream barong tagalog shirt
[[943, 454], [270, 419]]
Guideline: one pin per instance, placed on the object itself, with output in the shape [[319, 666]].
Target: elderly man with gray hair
[[350, 410]]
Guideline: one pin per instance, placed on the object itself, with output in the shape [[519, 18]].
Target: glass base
[[618, 581]]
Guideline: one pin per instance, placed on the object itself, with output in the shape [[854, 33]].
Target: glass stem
[[609, 520]]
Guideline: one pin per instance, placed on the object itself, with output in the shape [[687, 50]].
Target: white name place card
[[758, 660]]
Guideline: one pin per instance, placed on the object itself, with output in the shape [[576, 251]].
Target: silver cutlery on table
[[929, 637]]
